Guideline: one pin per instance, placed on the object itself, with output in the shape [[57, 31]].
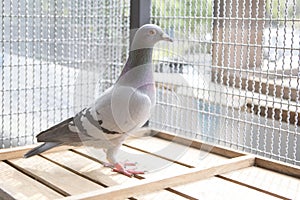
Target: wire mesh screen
[[48, 49], [232, 75]]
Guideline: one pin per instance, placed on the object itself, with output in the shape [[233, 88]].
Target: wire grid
[[48, 48], [232, 75]]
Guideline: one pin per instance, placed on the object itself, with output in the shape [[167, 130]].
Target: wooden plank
[[159, 183], [175, 152], [216, 188], [18, 152], [20, 186], [55, 176], [147, 163], [152, 165], [5, 195], [277, 166], [280, 185], [216, 149], [91, 169], [192, 158], [155, 164], [162, 194]]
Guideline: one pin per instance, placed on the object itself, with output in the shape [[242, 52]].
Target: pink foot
[[105, 164], [125, 164], [128, 172]]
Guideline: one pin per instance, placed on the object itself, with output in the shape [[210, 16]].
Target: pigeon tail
[[41, 148]]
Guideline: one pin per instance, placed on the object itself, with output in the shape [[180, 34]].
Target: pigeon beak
[[167, 38]]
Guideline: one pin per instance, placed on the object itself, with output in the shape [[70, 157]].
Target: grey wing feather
[[55, 136], [41, 148], [60, 133]]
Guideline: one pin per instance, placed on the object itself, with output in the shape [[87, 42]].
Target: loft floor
[[177, 168]]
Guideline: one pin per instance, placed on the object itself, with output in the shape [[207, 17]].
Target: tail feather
[[41, 148]]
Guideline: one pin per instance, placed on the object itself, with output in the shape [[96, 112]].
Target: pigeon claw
[[127, 163], [127, 172]]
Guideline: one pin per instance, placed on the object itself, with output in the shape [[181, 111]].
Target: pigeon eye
[[152, 32]]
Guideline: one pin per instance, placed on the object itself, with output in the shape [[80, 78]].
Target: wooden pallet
[[178, 168]]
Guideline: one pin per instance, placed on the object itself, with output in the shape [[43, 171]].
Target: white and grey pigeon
[[120, 110]]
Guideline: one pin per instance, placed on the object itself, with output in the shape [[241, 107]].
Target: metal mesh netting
[[232, 75], [46, 46]]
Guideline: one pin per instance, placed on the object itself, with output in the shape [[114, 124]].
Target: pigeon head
[[147, 36], [141, 49]]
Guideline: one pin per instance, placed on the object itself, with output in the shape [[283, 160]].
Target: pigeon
[[117, 112]]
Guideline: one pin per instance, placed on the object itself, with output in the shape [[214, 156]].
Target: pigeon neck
[[138, 72], [137, 58]]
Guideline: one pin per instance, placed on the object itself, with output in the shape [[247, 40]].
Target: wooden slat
[[163, 194], [280, 185], [77, 163], [88, 168], [277, 166], [152, 165], [216, 188], [219, 150], [181, 154], [5, 195], [18, 152], [55, 176], [144, 161], [192, 158], [159, 183], [20, 186]]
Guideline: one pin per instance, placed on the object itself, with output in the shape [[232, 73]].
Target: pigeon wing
[[127, 109], [60, 133]]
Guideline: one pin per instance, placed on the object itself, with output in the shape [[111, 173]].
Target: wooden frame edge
[[216, 149], [262, 162], [18, 152], [5, 195], [278, 166], [151, 185]]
